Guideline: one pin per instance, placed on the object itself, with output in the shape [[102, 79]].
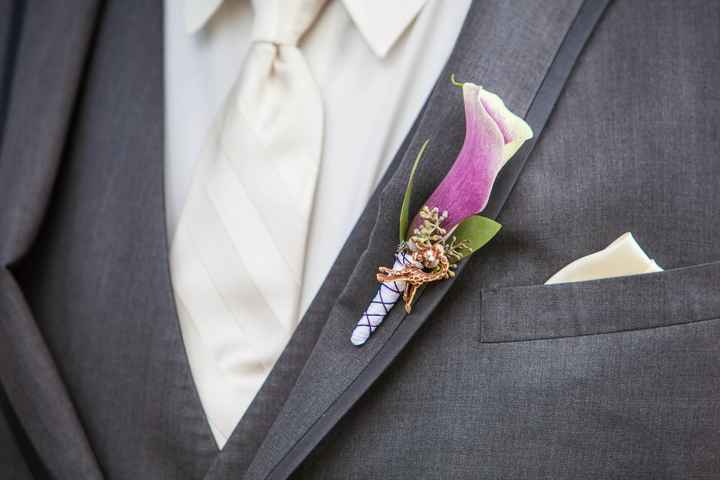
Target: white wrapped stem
[[387, 296]]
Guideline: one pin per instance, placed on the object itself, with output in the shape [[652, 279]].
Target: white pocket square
[[622, 257]]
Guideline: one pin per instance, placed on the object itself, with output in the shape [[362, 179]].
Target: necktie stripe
[[202, 300], [282, 154], [255, 247], [228, 276], [270, 209], [268, 195]]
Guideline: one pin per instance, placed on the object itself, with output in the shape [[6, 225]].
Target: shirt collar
[[380, 22]]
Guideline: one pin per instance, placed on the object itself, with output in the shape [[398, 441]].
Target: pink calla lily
[[492, 136]]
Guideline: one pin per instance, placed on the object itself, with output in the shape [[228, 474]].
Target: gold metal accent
[[415, 275]]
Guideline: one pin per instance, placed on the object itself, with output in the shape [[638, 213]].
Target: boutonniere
[[448, 227]]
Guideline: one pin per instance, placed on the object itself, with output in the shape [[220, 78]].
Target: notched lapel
[[505, 46]]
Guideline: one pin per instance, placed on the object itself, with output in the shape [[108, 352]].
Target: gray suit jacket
[[494, 375]]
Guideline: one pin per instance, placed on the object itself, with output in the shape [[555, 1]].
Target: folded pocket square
[[622, 257]]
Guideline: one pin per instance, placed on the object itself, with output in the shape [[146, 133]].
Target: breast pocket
[[680, 296]]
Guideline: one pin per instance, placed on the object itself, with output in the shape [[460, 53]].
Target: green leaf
[[476, 231], [405, 210]]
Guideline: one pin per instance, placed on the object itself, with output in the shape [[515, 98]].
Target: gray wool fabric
[[496, 376]]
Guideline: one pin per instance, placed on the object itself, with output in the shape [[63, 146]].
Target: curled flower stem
[[455, 82]]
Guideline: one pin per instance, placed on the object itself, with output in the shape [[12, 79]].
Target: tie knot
[[283, 22]]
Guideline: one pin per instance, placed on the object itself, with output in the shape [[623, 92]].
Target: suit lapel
[[505, 46], [42, 76]]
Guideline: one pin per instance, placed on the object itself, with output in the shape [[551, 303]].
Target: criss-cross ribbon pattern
[[384, 300]]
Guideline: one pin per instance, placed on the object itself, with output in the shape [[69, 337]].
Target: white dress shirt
[[375, 62]]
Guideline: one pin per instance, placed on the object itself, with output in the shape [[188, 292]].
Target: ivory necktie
[[238, 252]]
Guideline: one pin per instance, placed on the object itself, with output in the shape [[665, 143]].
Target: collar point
[[382, 23], [198, 13]]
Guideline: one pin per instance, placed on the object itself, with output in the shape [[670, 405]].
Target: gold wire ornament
[[432, 254], [415, 274]]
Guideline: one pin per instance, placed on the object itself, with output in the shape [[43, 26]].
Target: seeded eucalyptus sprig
[[431, 232], [456, 250]]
